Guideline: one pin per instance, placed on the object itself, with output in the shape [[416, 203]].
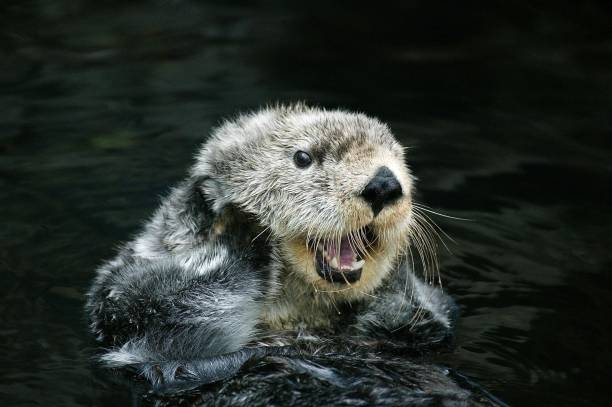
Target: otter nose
[[382, 190]]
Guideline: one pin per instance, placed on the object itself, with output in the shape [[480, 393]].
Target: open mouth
[[341, 260]]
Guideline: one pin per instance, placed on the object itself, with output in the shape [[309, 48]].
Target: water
[[506, 108]]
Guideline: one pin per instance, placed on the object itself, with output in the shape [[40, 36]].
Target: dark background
[[506, 106]]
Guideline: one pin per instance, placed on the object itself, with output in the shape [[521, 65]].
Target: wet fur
[[218, 276]]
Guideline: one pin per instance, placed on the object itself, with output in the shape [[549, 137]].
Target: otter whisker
[[356, 242], [407, 274], [261, 233], [366, 244], [423, 250], [417, 243], [399, 310], [429, 247], [428, 240], [434, 229], [428, 230], [422, 212], [369, 295], [424, 242], [427, 209], [339, 290], [339, 256]]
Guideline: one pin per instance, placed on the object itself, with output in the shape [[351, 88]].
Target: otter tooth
[[334, 262]]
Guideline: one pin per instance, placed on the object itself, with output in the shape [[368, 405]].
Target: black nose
[[382, 190]]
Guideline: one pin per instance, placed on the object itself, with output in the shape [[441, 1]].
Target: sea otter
[[293, 221]]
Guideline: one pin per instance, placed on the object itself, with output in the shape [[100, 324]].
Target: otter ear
[[212, 191], [211, 165]]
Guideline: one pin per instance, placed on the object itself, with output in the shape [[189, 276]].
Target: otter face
[[331, 186]]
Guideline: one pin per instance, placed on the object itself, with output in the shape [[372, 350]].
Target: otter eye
[[302, 159]]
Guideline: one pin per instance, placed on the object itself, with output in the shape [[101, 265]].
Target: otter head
[[330, 186]]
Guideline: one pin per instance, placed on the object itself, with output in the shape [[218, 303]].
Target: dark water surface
[[507, 108]]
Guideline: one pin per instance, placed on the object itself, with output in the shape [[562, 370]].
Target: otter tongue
[[345, 256]]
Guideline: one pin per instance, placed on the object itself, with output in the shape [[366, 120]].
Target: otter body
[[292, 221]]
